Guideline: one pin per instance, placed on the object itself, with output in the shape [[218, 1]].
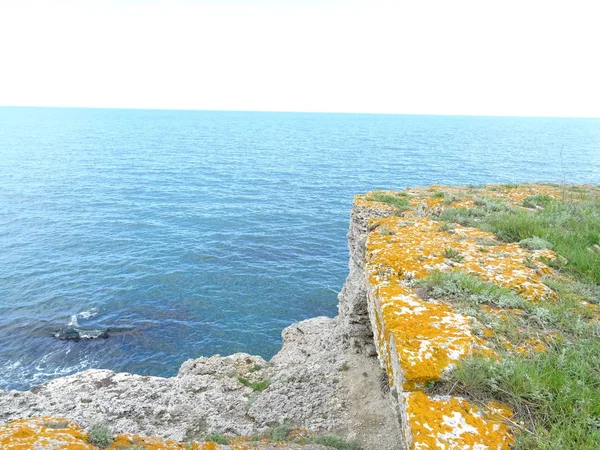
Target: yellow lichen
[[53, 433], [453, 423], [419, 339]]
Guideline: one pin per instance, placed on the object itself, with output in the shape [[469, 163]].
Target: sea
[[133, 240]]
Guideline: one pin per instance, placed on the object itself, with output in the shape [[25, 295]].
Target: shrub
[[218, 439], [280, 433], [100, 436], [535, 243], [537, 201]]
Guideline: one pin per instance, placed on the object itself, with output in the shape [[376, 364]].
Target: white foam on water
[[88, 314], [73, 322]]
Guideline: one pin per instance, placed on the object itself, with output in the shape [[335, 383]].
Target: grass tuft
[[100, 436], [537, 201], [468, 288], [398, 201], [217, 439], [257, 386], [280, 433], [453, 255], [336, 442], [535, 243]]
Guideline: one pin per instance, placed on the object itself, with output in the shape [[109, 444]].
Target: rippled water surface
[[209, 232]]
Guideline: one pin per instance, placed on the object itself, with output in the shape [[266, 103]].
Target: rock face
[[209, 395], [312, 383], [352, 299], [49, 433]]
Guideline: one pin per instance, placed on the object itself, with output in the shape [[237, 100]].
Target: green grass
[[217, 439], [452, 254], [446, 227], [537, 201], [555, 393], [100, 435], [572, 227], [280, 433], [257, 386], [283, 433], [535, 243], [467, 288], [335, 442], [398, 201]]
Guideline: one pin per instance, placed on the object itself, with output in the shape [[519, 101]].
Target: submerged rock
[[73, 333]]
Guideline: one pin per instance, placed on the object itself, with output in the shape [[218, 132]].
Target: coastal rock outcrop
[[368, 374], [307, 385]]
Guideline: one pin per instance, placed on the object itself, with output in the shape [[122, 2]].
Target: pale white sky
[[501, 57]]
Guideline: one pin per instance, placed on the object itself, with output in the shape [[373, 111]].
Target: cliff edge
[[456, 297]]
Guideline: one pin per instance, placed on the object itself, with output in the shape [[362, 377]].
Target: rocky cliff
[[325, 379], [376, 372]]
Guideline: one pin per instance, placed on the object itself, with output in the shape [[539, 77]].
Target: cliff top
[[485, 301]]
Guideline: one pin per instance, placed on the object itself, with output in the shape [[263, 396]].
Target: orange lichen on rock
[[51, 433], [413, 248], [454, 423], [43, 432], [428, 336], [419, 340]]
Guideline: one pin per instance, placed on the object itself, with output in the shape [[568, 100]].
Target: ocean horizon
[[190, 233]]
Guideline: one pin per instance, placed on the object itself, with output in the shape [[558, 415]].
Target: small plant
[[529, 263], [280, 433], [537, 201], [446, 226], [58, 425], [451, 198], [100, 436], [535, 243], [336, 442], [453, 255], [385, 231], [218, 439], [344, 367], [398, 201], [257, 386], [438, 194], [489, 242]]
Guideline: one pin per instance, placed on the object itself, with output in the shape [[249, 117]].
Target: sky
[[483, 57]]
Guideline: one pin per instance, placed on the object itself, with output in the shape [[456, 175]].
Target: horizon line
[[301, 112]]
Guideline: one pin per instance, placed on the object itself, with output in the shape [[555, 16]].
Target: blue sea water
[[209, 232]]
